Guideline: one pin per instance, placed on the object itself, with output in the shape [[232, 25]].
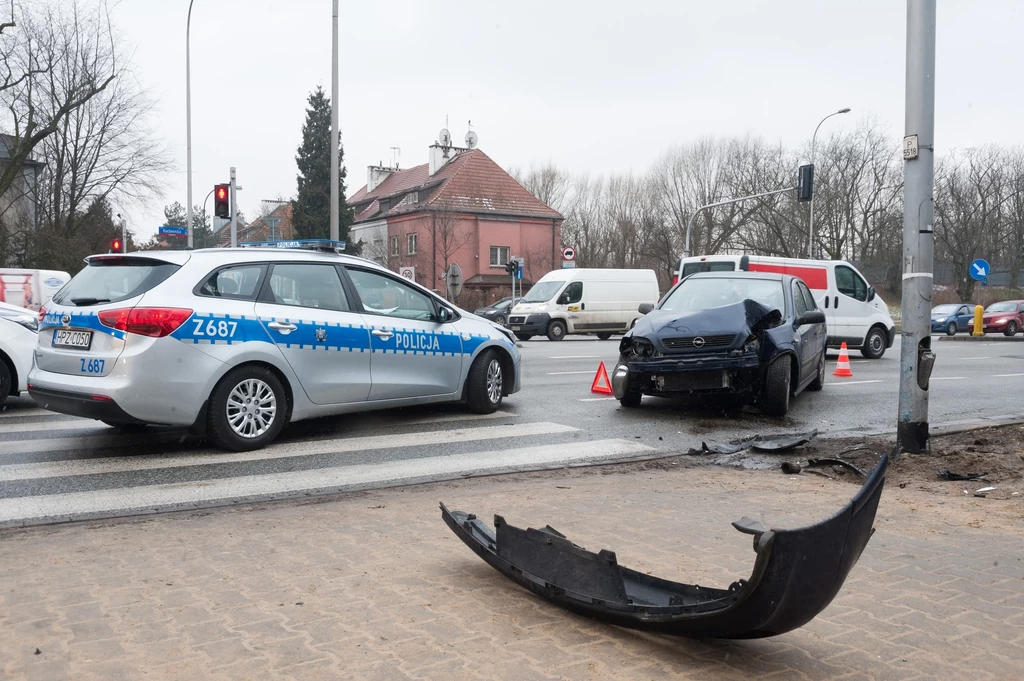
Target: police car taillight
[[155, 322]]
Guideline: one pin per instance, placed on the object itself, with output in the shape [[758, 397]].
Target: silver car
[[235, 343]]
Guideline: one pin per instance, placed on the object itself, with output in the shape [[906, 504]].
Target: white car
[[18, 328], [235, 343]]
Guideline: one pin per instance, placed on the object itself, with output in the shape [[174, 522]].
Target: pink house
[[461, 207]]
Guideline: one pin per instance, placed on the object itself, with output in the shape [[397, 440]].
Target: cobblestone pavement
[[374, 586]]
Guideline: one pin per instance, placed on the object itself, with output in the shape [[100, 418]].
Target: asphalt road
[[54, 467]]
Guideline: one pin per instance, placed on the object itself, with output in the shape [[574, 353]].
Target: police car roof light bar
[[306, 244]]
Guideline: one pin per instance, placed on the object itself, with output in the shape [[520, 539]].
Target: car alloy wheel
[[251, 408], [499, 320], [951, 329], [1011, 329], [495, 381]]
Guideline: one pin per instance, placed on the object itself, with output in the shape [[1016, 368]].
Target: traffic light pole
[[234, 212], [188, 122], [335, 179], [916, 357]]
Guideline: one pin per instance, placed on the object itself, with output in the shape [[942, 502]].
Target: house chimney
[[377, 174], [439, 156]]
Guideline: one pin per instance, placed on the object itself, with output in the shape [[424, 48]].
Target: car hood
[[747, 317], [989, 316]]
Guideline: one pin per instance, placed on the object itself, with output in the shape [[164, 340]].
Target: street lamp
[[188, 122], [810, 227]]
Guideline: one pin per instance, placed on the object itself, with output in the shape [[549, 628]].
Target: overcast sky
[[591, 85]]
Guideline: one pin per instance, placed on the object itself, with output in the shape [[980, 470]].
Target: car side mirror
[[444, 315], [645, 308], [811, 317], [563, 299], [871, 293]]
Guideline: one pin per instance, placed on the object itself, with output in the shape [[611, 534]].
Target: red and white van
[[854, 313]]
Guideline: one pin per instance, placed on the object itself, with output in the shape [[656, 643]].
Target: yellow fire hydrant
[[979, 327]]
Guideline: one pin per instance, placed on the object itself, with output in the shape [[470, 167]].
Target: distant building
[[18, 204], [460, 207], [275, 226]]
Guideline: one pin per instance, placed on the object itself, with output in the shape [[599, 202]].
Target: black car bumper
[[97, 407], [529, 324], [690, 375]]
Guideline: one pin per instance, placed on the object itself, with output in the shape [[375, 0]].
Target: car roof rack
[[323, 245]]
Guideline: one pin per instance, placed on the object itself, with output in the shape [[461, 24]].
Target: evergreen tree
[[311, 216], [202, 235]]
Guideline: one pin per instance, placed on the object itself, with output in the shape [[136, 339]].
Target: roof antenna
[[396, 153], [471, 137]]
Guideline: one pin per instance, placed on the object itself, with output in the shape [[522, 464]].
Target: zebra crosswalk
[[56, 468]]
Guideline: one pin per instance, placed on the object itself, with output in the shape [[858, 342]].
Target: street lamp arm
[[726, 202]]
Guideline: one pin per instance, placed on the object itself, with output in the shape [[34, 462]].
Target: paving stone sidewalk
[[374, 586]]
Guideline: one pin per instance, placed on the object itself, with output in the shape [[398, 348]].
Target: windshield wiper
[[89, 301]]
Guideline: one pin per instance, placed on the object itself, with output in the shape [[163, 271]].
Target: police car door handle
[[383, 334], [283, 327]]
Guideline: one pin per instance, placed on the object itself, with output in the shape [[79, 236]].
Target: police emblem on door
[[321, 335]]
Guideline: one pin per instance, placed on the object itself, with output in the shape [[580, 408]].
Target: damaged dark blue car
[[754, 336]]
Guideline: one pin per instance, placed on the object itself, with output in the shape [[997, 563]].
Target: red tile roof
[[469, 183]]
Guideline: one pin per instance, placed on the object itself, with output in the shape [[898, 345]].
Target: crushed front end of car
[[720, 350]]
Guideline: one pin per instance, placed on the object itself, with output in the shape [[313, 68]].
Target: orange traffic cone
[[601, 384], [843, 367]]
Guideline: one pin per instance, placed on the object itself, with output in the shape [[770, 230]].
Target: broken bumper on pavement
[[796, 573]]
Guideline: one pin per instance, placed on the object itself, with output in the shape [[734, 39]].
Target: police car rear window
[[112, 280]]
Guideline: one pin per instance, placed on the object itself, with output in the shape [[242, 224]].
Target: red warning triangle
[[601, 384]]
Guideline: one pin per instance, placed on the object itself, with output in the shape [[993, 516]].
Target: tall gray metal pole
[[335, 190], [916, 358], [234, 211], [188, 123], [814, 138]]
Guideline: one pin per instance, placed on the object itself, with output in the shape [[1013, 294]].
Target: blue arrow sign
[[979, 269]]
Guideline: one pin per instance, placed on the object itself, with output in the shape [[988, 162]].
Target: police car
[[235, 343]]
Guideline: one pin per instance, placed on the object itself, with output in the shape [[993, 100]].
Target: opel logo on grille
[[65, 319], [698, 342]]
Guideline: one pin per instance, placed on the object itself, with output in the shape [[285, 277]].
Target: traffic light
[[221, 201], [511, 267], [805, 183], [116, 246]]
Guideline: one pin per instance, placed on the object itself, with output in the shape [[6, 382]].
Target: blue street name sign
[[170, 230]]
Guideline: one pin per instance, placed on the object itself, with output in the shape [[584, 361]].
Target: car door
[[805, 337], [309, 316], [851, 309], [413, 354], [963, 316], [570, 301], [820, 330]]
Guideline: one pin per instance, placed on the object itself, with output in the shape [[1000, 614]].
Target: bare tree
[[448, 234], [58, 60], [548, 183]]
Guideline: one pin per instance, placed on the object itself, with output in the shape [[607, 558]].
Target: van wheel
[[485, 384], [524, 336], [247, 409], [556, 330], [604, 335], [874, 343], [776, 387]]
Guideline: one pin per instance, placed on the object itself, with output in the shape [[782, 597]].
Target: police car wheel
[[247, 409], [485, 383]]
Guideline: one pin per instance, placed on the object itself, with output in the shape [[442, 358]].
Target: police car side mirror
[[444, 315], [645, 308]]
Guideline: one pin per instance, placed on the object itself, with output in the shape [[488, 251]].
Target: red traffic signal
[[221, 201], [116, 246]]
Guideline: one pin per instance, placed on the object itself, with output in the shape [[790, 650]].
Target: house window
[[412, 244], [395, 246], [499, 256]]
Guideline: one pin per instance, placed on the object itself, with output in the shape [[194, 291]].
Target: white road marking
[[596, 399], [127, 464], [968, 359], [576, 357], [853, 382], [13, 413], [44, 426], [151, 497], [948, 378], [1005, 375], [567, 373]]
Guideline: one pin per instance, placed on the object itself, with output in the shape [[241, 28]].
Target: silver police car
[[235, 343]]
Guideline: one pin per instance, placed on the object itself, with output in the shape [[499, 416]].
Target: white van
[[30, 289], [854, 313], [583, 301]]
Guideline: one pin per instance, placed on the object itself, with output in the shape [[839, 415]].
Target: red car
[[1007, 316]]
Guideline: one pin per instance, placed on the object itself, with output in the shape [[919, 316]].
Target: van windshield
[[542, 292]]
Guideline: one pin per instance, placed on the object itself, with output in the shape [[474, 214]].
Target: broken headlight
[[639, 348], [752, 346]]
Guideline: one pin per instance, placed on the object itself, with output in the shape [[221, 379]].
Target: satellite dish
[[445, 137], [471, 139]]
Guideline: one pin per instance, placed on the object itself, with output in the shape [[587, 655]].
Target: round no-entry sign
[[568, 253]]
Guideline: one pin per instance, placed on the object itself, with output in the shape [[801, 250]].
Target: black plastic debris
[[761, 443], [837, 462], [950, 475], [796, 573]]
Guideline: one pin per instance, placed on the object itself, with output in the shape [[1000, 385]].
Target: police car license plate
[[80, 340]]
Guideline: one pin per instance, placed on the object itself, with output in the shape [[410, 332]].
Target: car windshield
[[944, 309], [694, 295], [112, 280], [543, 292], [1002, 307]]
